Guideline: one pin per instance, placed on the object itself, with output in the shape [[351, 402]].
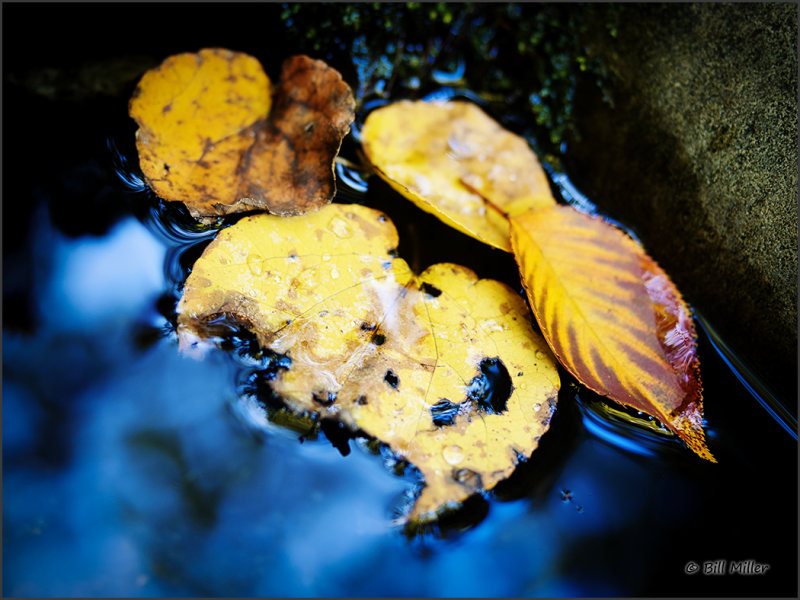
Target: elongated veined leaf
[[612, 316]]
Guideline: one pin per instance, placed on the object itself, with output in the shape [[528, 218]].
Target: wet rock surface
[[699, 155]]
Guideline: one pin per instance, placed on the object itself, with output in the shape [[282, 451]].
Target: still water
[[131, 470]]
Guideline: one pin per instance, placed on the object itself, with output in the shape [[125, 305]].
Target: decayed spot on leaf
[[450, 158], [208, 138], [290, 167], [443, 367], [612, 316]]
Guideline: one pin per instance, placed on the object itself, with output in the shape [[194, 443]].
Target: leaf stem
[[486, 200]]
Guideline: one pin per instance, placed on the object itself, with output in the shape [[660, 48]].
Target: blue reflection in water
[[127, 173], [443, 77], [131, 470], [571, 194], [749, 381], [162, 465], [99, 279], [618, 439], [352, 181], [20, 429], [447, 94]]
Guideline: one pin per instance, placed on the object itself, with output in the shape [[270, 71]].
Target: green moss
[[525, 59]]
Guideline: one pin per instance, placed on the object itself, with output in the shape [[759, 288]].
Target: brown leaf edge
[[311, 114], [677, 335]]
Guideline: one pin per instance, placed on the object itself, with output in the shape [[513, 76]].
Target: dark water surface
[[130, 470]]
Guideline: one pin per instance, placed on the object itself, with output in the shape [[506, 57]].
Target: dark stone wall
[[699, 155]]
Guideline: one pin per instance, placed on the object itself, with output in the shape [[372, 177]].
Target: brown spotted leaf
[[443, 367], [212, 136], [612, 316], [312, 112]]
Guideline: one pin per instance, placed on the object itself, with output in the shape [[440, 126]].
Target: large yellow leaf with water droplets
[[212, 136], [455, 162], [443, 367], [612, 316]]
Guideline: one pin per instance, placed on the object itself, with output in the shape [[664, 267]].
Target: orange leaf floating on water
[[612, 316], [207, 137]]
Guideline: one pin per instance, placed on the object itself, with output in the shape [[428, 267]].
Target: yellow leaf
[[195, 113], [612, 316], [208, 138], [443, 367], [449, 159]]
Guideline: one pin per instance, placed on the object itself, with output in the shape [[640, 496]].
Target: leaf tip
[[688, 425]]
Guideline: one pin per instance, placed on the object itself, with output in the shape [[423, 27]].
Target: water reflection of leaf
[[442, 367]]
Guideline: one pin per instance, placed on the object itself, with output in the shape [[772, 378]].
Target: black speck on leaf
[[391, 379], [491, 389], [430, 290], [324, 398]]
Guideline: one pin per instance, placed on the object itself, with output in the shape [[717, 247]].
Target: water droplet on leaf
[[340, 228], [453, 455], [255, 263]]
